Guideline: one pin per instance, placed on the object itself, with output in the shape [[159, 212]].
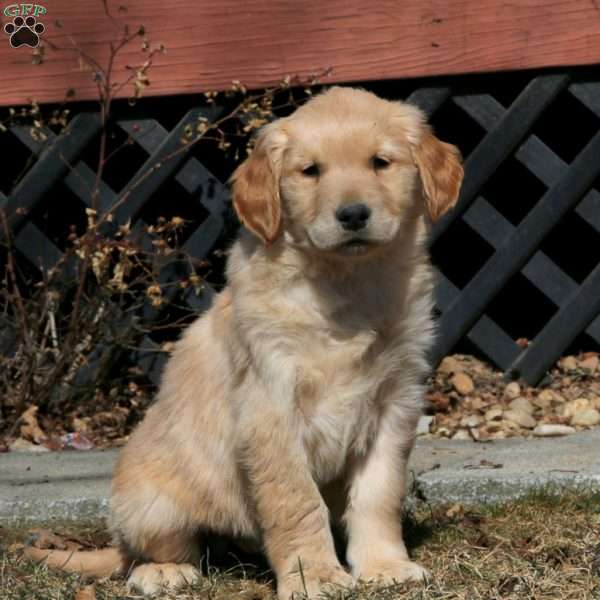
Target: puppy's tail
[[94, 563]]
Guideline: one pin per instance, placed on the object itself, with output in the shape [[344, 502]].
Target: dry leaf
[[485, 464], [455, 510], [46, 539], [471, 519], [53, 443], [16, 548], [23, 445], [81, 424], [439, 401], [30, 428]]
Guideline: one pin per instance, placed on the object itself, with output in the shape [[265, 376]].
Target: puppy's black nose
[[353, 216]]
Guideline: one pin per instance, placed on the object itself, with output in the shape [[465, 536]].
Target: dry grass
[[543, 548]]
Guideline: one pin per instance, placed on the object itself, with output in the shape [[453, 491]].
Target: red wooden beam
[[259, 42]]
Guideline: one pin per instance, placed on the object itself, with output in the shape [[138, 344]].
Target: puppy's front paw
[[397, 571], [312, 581], [153, 578]]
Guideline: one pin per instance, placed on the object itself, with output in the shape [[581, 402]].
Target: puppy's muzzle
[[353, 217]]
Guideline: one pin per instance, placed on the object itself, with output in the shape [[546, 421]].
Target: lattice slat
[[574, 315], [430, 99], [491, 339], [52, 166]]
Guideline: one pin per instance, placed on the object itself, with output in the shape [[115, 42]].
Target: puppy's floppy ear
[[256, 185], [440, 167]]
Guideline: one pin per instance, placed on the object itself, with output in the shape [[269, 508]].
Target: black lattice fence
[[519, 256], [58, 160]]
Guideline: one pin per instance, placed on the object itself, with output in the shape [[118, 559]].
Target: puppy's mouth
[[355, 246], [355, 243]]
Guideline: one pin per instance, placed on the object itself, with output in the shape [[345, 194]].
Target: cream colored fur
[[293, 401]]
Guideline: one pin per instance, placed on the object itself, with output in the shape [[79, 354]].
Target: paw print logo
[[24, 32]]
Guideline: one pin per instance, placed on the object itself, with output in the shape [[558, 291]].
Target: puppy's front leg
[[291, 512], [376, 550]]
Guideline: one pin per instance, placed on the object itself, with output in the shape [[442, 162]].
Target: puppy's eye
[[311, 170], [380, 163]]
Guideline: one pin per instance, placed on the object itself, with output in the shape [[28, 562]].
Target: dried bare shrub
[[67, 333]]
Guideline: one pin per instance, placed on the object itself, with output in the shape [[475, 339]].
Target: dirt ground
[[541, 548]]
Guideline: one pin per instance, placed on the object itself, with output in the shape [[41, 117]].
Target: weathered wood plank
[[258, 42]]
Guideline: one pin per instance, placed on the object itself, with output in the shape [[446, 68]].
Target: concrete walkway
[[74, 485]]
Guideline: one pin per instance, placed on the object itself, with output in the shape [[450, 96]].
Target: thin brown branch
[[12, 274]]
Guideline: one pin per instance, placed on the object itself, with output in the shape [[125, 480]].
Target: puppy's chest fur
[[349, 350]]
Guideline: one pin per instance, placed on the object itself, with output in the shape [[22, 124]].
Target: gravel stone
[[511, 427], [512, 390], [470, 421], [574, 406], [552, 430], [590, 364], [522, 404], [568, 363], [462, 383], [521, 418], [462, 434], [450, 365], [493, 414], [588, 417]]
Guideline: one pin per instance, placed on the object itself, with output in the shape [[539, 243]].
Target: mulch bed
[[467, 399]]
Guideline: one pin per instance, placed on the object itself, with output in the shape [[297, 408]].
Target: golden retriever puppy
[[292, 403]]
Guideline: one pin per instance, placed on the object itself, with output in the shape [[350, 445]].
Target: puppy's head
[[344, 172]]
